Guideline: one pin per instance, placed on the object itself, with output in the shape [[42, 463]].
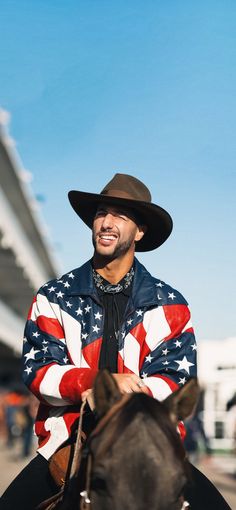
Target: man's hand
[[88, 395], [130, 382], [127, 383]]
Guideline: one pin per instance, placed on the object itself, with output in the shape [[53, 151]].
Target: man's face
[[114, 232]]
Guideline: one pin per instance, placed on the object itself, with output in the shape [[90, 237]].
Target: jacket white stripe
[[49, 386], [43, 307], [156, 326], [159, 388], [131, 353], [72, 330], [58, 434]]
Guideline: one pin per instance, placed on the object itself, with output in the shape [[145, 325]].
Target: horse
[[134, 458]]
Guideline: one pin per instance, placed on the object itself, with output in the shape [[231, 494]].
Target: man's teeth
[[108, 237]]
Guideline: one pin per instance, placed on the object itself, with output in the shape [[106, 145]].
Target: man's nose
[[108, 221]]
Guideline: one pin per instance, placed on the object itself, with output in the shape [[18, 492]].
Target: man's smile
[[106, 238]]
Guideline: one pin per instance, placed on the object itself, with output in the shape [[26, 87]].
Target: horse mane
[[146, 406]]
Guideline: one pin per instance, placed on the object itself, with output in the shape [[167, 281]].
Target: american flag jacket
[[63, 337]]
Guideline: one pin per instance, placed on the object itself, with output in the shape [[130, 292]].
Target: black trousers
[[34, 484], [202, 494]]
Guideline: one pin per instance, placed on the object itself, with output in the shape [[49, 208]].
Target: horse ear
[[106, 392], [181, 403]]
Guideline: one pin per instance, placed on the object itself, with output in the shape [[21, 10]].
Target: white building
[[26, 257], [217, 376]]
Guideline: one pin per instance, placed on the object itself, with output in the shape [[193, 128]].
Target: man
[[109, 313]]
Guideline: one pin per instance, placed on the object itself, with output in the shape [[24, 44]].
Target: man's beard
[[121, 248]]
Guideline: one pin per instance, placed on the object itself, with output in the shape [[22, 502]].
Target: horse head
[[135, 456]]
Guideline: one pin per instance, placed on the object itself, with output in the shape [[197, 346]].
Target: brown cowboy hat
[[128, 192]]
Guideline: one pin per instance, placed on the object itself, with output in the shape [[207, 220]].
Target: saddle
[[61, 461]]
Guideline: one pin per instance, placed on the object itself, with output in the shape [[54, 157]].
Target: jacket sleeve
[[48, 370], [168, 354]]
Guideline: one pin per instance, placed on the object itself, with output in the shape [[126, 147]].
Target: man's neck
[[114, 270]]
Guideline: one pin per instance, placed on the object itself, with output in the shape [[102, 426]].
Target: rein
[[78, 444]]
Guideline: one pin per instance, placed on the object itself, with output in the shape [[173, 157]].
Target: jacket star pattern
[[63, 337]]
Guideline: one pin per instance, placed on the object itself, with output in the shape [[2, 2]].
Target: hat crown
[[127, 186]]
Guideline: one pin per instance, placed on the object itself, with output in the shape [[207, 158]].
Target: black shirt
[[114, 305]]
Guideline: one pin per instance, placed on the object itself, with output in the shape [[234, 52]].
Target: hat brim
[[158, 221]]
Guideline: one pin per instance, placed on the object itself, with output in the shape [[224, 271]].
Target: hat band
[[115, 193]]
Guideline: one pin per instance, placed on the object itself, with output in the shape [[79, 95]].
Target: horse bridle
[[85, 503]]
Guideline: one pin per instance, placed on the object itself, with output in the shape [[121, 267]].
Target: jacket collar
[[83, 283], [144, 291]]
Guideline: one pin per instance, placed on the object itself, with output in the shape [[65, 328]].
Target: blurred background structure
[[26, 260], [217, 375]]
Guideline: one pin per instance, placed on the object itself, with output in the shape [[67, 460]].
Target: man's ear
[[182, 402], [106, 392], [142, 229]]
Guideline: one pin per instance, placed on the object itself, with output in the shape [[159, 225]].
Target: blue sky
[[146, 88]]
